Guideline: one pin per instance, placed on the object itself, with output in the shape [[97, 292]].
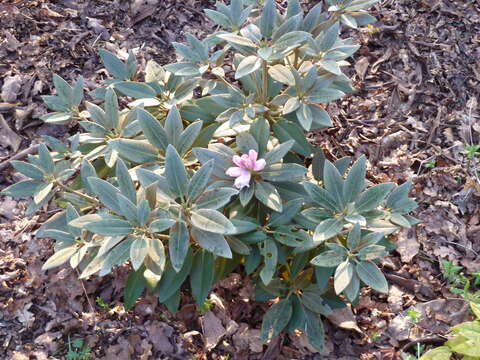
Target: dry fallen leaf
[[7, 136], [344, 318], [407, 245], [212, 329]]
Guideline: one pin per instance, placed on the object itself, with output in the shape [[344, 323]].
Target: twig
[[29, 151], [428, 340], [88, 300]]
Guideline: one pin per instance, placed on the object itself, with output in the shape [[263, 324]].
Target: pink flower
[[246, 164]]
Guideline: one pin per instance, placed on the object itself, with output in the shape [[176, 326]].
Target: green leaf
[[45, 159], [212, 221], [175, 172], [440, 353], [372, 198], [22, 189], [282, 73], [153, 131], [106, 192], [327, 229], [400, 193], [291, 105], [283, 172], [237, 40], [199, 181], [328, 259], [287, 130], [324, 95], [290, 210], [354, 235], [178, 244], [268, 195], [334, 183], [247, 66], [27, 169], [269, 252], [260, 130], [138, 252], [173, 126], [60, 257], [64, 90], [329, 37], [144, 209], [111, 108], [278, 152], [135, 90], [215, 243], [160, 225], [312, 299], [276, 319], [129, 210], [372, 252], [134, 288], [464, 346], [371, 275], [291, 40], [188, 136], [475, 308], [113, 65], [355, 181], [173, 279], [215, 198], [343, 276], [268, 19], [314, 330], [125, 182], [137, 151], [246, 142], [42, 192], [107, 225], [201, 276]]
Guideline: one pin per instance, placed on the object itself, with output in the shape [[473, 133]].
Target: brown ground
[[417, 76]]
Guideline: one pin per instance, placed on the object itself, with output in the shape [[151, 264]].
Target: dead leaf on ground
[[7, 136], [344, 318], [407, 245], [212, 329]]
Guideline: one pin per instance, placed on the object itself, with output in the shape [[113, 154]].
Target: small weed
[[77, 350], [100, 302], [451, 272], [376, 336], [413, 315], [472, 151], [430, 164], [206, 306]]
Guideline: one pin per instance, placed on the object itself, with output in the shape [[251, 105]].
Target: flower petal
[[237, 160], [243, 180], [234, 171], [259, 165], [252, 154]]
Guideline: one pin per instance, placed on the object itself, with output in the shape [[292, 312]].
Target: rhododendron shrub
[[200, 170]]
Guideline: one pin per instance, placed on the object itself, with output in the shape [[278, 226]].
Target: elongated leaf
[[277, 153], [60, 257], [160, 225], [199, 181], [106, 192], [283, 172], [290, 210], [276, 319], [153, 131], [135, 90], [287, 130], [334, 183], [215, 243], [173, 125], [314, 330], [269, 252], [134, 288], [175, 172], [282, 73], [114, 65], [268, 195], [215, 198], [188, 136], [178, 244], [129, 210], [312, 299], [138, 251], [328, 259], [355, 181], [371, 275], [201, 276], [172, 280], [109, 226], [45, 159], [125, 182], [268, 19], [137, 151], [373, 197], [247, 66], [212, 221], [27, 169], [343, 276], [327, 229]]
